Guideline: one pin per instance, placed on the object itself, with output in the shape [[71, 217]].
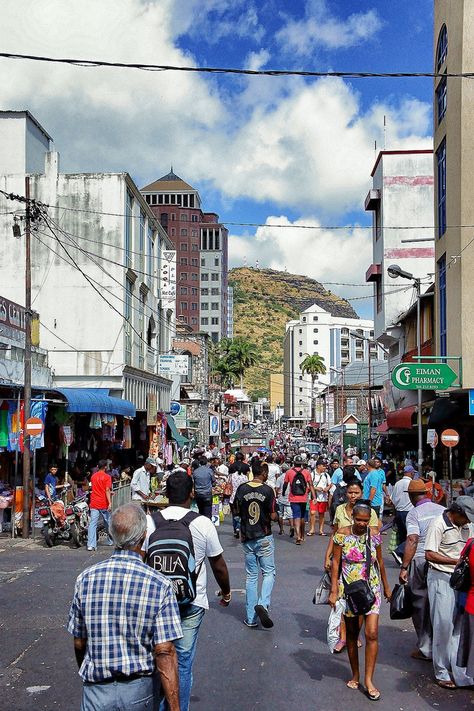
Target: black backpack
[[299, 485], [339, 497], [171, 553]]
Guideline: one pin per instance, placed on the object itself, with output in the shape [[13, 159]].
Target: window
[[344, 331], [141, 240], [194, 321], [315, 343], [184, 276], [194, 277], [194, 218], [204, 306], [204, 292], [214, 321], [359, 344], [442, 306], [183, 217], [315, 330], [147, 198], [194, 247], [214, 277], [184, 306], [150, 247], [184, 290], [441, 99], [183, 247], [441, 160], [215, 306], [215, 291], [204, 321], [204, 277], [300, 330], [442, 49], [300, 343], [351, 405], [184, 232], [315, 318], [216, 262], [194, 306], [304, 319], [173, 231], [203, 262], [378, 222], [128, 229], [378, 294], [300, 377], [194, 291], [183, 261], [173, 217], [359, 356], [215, 336], [194, 262]]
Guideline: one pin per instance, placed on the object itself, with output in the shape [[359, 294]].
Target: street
[[236, 668]]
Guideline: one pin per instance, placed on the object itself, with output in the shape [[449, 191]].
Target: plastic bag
[[334, 624], [393, 540], [401, 604], [323, 589]]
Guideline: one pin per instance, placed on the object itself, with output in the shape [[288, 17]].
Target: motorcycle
[[59, 523], [81, 510]]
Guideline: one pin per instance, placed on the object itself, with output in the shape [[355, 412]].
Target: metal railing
[[121, 494]]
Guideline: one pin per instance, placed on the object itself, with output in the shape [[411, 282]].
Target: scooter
[[59, 523]]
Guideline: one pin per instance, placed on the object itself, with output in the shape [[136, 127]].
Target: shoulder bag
[[460, 578], [359, 595]]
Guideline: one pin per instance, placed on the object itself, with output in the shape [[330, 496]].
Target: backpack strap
[[190, 517], [158, 518]]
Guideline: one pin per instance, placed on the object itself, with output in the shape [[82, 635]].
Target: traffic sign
[[471, 402], [423, 376], [450, 438], [34, 426], [432, 438]]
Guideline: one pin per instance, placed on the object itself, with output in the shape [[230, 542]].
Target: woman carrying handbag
[[357, 575]]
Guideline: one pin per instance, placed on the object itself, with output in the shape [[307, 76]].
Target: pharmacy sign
[[423, 376]]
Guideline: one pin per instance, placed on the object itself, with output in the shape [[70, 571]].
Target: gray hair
[[128, 526]]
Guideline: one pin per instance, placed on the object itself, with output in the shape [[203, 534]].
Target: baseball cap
[[417, 486], [361, 463], [297, 460], [466, 503], [408, 469], [150, 460]]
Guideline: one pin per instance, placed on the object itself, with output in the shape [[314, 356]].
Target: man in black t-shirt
[[255, 503]]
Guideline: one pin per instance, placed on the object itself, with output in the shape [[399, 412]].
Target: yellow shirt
[[343, 520]]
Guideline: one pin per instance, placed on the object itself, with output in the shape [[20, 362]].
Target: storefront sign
[[168, 276], [173, 364], [67, 435], [151, 409], [12, 315], [432, 438], [423, 376], [181, 417]]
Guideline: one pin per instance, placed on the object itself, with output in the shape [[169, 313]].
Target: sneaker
[[236, 534], [90, 549], [263, 616], [292, 532], [250, 624], [397, 558]]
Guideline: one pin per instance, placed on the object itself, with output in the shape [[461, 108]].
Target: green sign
[[423, 376]]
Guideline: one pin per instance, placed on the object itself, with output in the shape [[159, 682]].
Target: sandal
[[298, 542], [373, 694], [446, 684], [353, 684], [310, 534]]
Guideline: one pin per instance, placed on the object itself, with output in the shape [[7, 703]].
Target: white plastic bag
[[334, 624]]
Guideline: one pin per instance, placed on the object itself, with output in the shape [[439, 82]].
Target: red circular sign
[[34, 426], [450, 438]]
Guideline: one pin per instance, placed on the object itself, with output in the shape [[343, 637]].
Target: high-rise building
[[230, 312], [201, 244]]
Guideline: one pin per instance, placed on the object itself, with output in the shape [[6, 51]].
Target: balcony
[[372, 200]]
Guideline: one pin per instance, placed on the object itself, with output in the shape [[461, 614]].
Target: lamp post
[[394, 271]]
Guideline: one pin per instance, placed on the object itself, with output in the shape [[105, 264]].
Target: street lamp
[[394, 271]]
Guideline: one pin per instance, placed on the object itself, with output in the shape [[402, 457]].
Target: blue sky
[[265, 150]]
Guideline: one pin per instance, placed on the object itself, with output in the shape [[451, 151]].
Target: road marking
[[20, 656], [37, 689]]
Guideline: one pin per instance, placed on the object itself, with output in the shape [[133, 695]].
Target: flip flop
[[446, 684], [310, 534], [373, 695], [323, 534], [298, 543], [351, 684]]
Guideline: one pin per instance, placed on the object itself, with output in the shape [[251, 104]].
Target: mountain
[[264, 300]]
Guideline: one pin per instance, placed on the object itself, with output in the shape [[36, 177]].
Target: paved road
[[236, 668]]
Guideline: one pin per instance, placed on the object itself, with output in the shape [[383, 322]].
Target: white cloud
[[257, 60], [211, 21], [320, 28]]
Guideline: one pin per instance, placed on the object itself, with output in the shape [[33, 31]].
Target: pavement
[[236, 668]]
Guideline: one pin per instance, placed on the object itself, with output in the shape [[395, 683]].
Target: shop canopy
[[401, 419], [96, 400], [178, 438]]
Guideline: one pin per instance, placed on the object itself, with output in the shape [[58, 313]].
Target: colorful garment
[[354, 566]]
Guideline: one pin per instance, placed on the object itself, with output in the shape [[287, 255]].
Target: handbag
[[460, 579], [323, 590], [401, 603], [228, 488], [359, 595]]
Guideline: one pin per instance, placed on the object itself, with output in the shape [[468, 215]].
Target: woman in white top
[[322, 485]]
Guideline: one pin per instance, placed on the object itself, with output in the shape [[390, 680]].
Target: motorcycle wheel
[[49, 537], [75, 536]]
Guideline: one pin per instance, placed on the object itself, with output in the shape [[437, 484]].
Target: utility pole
[[370, 407], [419, 392], [27, 375]]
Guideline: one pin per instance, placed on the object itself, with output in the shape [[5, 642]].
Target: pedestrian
[[446, 537], [140, 484], [255, 502], [283, 505], [414, 568], [124, 619], [322, 486], [351, 557], [100, 504], [336, 470], [204, 479], [434, 488], [465, 657], [274, 471], [402, 505], [164, 537], [300, 485], [237, 477], [374, 486]]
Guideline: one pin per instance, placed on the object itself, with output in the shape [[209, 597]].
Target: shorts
[[298, 509], [284, 511], [318, 506]]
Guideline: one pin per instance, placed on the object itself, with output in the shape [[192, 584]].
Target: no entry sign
[[450, 438], [34, 426]]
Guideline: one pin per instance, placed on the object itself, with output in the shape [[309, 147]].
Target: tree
[[313, 365], [243, 354]]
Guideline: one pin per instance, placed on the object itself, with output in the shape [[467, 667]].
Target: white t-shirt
[[140, 482], [321, 479], [206, 545], [274, 472]]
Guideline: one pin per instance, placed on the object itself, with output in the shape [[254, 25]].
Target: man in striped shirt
[[124, 619]]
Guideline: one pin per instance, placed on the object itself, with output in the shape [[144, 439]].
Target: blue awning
[[96, 400]]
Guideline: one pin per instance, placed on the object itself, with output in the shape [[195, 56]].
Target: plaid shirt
[[123, 608]]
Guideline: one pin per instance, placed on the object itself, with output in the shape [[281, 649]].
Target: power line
[[88, 63]]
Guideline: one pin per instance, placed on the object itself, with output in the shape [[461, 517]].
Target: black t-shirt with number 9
[[256, 503]]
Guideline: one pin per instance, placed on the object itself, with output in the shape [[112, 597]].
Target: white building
[[95, 266], [401, 198], [317, 331], [214, 270], [230, 312]]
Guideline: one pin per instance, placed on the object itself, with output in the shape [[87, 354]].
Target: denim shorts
[[298, 509]]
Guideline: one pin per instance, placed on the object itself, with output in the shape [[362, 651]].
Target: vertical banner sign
[[168, 276]]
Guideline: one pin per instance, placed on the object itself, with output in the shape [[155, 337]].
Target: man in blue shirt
[[51, 483], [336, 477], [374, 486]]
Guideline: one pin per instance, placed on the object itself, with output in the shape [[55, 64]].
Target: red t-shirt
[[294, 498], [100, 482], [470, 595]]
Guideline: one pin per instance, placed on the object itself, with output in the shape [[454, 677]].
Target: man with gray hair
[[124, 619]]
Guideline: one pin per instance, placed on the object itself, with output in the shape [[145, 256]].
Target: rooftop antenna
[[375, 147]]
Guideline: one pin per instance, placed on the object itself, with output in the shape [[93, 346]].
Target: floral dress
[[354, 565]]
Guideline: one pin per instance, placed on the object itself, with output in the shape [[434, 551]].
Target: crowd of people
[[158, 576]]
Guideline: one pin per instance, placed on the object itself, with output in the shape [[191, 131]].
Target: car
[[312, 447]]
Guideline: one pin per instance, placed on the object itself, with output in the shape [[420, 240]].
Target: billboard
[[168, 276], [173, 364]]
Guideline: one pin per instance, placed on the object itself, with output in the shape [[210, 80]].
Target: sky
[[274, 151]]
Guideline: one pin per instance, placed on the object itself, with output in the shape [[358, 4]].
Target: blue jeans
[[191, 618], [259, 555], [92, 530], [137, 695]]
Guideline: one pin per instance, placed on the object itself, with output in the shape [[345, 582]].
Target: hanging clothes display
[[4, 424], [127, 434]]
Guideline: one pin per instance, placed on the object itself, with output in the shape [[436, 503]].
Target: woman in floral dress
[[350, 557]]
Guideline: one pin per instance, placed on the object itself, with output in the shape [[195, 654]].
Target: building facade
[[214, 271], [337, 339]]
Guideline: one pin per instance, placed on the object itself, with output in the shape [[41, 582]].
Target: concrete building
[[401, 196], [454, 176], [318, 331], [230, 312], [96, 258], [201, 248]]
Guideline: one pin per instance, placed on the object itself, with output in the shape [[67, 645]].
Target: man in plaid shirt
[[124, 618]]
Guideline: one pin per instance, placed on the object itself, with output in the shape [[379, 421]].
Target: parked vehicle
[[82, 517], [59, 523]]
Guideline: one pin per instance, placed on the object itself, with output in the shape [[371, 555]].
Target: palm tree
[[243, 354], [313, 365]]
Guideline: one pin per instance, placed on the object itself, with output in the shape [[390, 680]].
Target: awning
[[401, 419], [382, 428], [178, 438], [96, 400], [444, 411]]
